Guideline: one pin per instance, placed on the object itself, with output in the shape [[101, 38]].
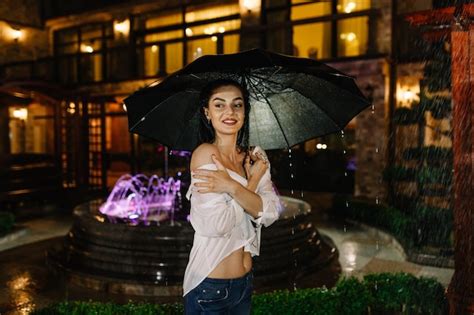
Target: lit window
[[349, 6], [352, 36], [312, 40], [309, 10]]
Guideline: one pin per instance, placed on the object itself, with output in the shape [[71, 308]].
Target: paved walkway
[[362, 250]]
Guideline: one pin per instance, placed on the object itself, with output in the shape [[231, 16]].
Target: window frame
[[372, 14]]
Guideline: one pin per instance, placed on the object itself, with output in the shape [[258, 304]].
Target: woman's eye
[[239, 105], [219, 105]]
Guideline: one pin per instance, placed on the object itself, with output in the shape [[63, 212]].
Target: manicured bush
[[405, 293], [382, 293], [97, 308], [7, 220]]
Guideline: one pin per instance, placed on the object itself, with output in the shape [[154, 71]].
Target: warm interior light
[[214, 38], [348, 36], [189, 32], [221, 29], [210, 30], [154, 48], [349, 7], [20, 113], [122, 27]]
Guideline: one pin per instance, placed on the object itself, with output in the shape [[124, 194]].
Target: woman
[[228, 193]]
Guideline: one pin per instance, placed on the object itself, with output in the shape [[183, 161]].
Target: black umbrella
[[292, 99]]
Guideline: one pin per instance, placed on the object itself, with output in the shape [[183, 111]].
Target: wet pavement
[[26, 282]]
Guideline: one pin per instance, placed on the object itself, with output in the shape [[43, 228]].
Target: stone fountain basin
[[151, 259]]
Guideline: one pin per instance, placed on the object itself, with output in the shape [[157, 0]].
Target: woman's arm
[[219, 181]]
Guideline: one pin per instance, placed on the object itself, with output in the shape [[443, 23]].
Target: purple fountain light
[[139, 198]]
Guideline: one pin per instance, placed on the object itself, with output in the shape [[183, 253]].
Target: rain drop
[[292, 191], [376, 150], [292, 231], [345, 173], [294, 286], [302, 194], [143, 118], [345, 228], [377, 200], [291, 175], [347, 204]]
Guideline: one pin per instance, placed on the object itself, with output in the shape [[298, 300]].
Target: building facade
[[66, 67]]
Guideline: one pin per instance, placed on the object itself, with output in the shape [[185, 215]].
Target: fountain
[[137, 242]]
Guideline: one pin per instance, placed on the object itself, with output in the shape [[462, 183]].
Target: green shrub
[[96, 308], [380, 293], [404, 292], [7, 220]]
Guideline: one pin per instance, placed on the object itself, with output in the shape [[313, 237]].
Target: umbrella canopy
[[292, 99]]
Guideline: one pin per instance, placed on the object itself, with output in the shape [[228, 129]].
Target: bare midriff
[[237, 264]]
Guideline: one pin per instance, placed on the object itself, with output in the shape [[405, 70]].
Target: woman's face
[[226, 109]]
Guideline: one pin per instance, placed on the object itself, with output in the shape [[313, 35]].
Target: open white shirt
[[221, 225]]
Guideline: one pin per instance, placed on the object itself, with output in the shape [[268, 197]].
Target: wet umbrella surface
[[292, 99]]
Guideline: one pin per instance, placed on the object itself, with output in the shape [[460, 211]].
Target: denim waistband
[[229, 281]]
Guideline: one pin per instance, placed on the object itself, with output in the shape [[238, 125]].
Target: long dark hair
[[206, 131]]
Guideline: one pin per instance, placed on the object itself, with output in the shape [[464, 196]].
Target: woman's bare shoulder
[[202, 155]]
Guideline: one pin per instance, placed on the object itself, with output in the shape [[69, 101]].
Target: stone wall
[[371, 133], [383, 30]]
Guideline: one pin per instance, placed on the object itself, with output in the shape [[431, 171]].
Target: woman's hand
[[256, 170], [218, 181]]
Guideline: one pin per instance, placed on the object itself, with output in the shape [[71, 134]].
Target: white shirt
[[222, 226]]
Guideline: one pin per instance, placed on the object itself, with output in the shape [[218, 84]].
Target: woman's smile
[[230, 121]]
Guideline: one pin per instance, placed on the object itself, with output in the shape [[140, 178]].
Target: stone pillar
[[250, 12], [4, 131], [461, 288], [371, 133]]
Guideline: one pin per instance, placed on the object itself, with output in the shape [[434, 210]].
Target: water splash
[[142, 198]]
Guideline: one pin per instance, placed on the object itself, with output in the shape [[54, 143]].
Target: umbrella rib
[[273, 112]]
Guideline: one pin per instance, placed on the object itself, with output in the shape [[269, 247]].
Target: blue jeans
[[221, 296]]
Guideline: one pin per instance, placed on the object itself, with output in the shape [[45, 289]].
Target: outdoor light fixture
[[123, 27], [20, 113], [250, 5], [406, 95], [87, 48], [16, 34]]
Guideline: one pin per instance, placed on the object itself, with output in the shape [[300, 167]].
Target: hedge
[[384, 293], [7, 220]]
